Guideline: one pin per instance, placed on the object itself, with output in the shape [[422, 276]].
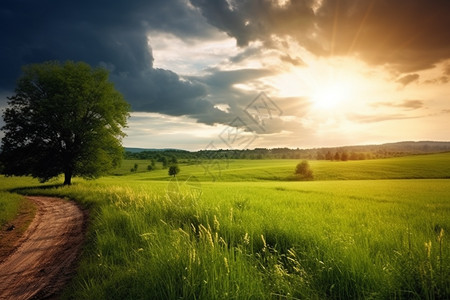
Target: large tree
[[63, 119]]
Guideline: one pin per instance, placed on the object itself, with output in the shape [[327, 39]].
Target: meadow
[[245, 229], [408, 167]]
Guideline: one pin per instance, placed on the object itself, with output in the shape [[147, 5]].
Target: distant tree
[[63, 119], [165, 162], [134, 168], [328, 156], [304, 170], [320, 156], [337, 156], [152, 165], [174, 170], [344, 156], [173, 159]]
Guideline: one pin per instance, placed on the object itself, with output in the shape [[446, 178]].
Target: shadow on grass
[[25, 190]]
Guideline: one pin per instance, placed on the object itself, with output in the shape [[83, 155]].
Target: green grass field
[[408, 167], [375, 229]]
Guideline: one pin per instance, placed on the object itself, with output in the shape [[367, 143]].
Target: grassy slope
[[243, 237]]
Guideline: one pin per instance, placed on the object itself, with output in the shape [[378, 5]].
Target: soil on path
[[46, 255]]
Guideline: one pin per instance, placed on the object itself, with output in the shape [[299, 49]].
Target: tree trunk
[[68, 177]]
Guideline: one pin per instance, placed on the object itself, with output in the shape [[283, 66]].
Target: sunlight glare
[[330, 95]]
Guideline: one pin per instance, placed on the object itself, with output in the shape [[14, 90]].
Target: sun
[[325, 86], [330, 95]]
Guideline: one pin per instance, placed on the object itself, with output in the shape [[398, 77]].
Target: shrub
[[303, 170]]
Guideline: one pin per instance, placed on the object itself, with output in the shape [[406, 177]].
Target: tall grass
[[264, 240]]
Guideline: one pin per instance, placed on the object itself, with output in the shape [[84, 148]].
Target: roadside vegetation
[[16, 213], [253, 232], [10, 203]]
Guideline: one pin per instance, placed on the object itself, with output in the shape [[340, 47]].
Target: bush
[[303, 171]]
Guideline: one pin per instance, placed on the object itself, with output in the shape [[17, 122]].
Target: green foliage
[[173, 170], [64, 118], [173, 159], [303, 170], [134, 168], [340, 153], [152, 165], [165, 162]]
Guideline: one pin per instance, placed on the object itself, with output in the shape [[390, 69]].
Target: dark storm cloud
[[113, 35], [223, 80], [408, 35], [158, 90], [252, 20], [219, 86]]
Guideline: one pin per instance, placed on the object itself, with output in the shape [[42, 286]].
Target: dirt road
[[46, 257]]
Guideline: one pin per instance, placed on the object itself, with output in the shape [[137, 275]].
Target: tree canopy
[[174, 170], [65, 118]]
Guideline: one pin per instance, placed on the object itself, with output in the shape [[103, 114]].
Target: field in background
[[255, 233], [417, 166]]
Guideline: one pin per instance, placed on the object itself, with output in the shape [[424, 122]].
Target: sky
[[229, 74]]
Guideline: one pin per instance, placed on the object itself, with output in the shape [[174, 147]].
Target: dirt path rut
[[46, 257]]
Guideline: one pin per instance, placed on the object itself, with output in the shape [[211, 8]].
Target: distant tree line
[[343, 155], [171, 156], [164, 156]]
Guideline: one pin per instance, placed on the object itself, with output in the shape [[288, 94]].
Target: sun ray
[[361, 26]]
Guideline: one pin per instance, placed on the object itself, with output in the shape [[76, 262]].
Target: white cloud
[[154, 130], [189, 57]]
